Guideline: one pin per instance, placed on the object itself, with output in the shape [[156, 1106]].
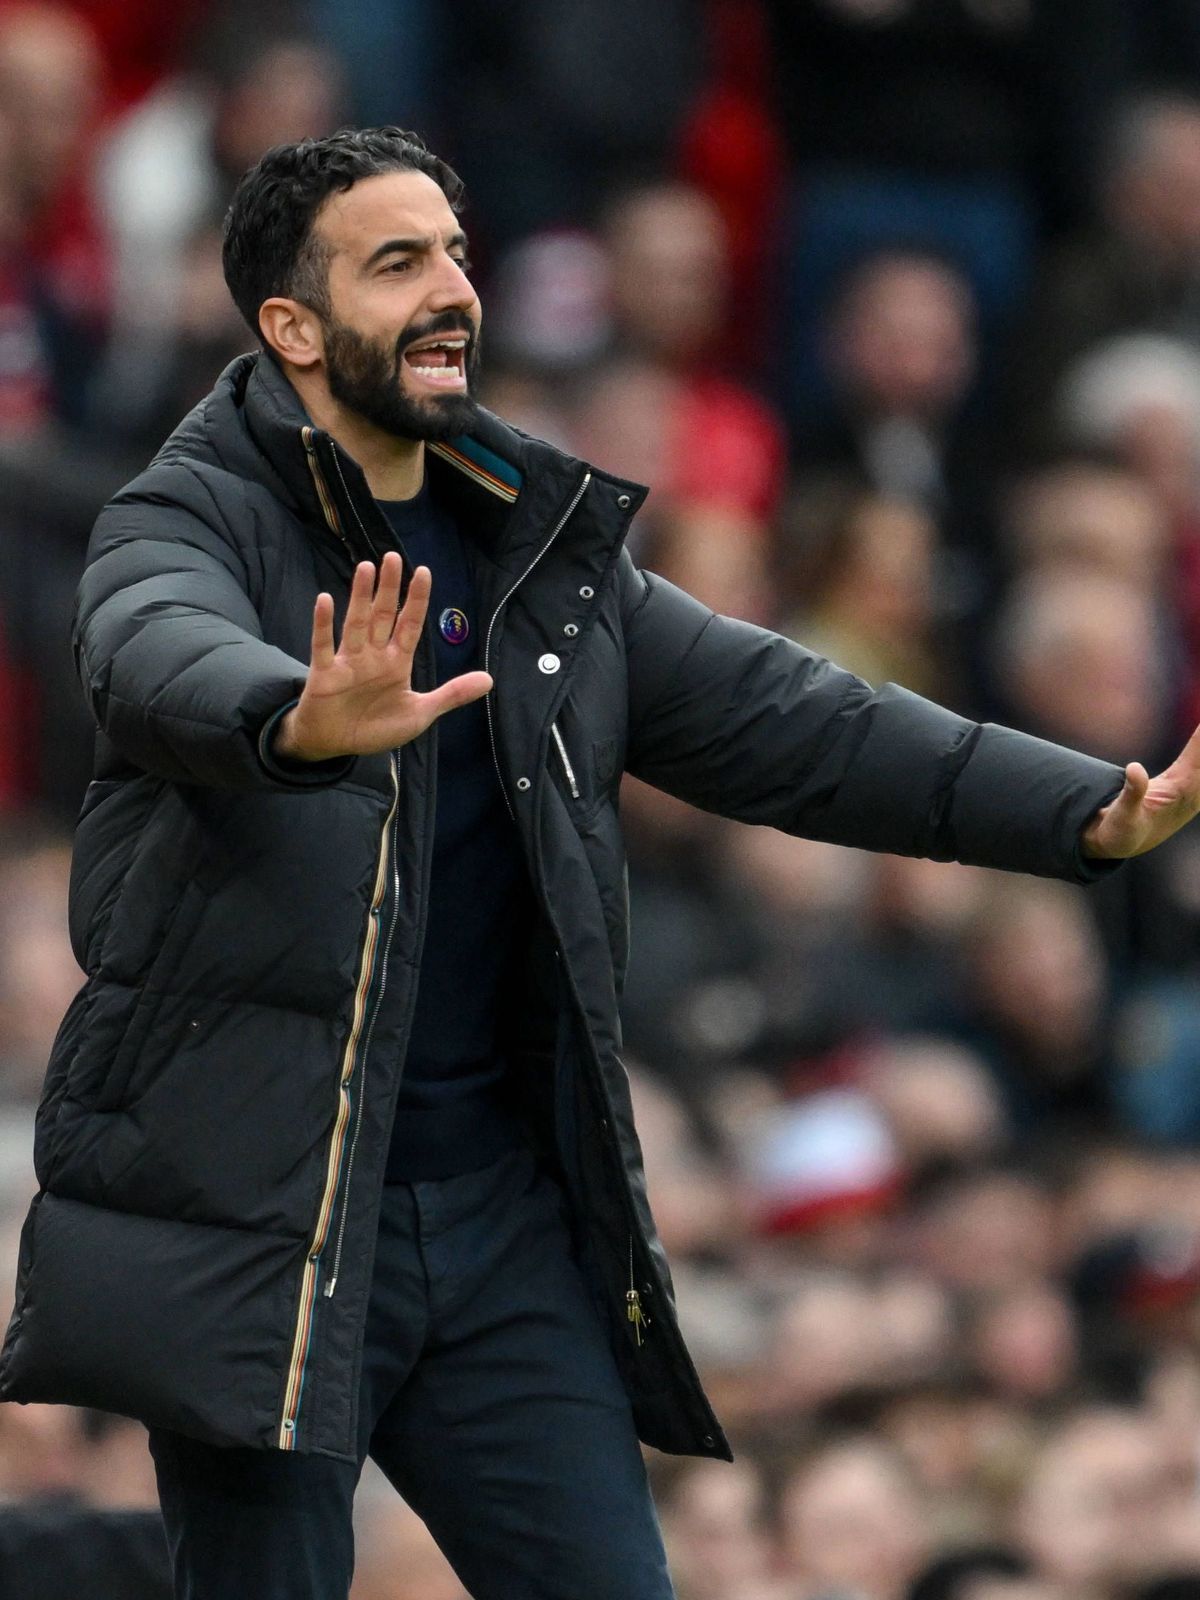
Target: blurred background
[[895, 304]]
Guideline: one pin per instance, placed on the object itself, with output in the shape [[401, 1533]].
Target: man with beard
[[335, 1152]]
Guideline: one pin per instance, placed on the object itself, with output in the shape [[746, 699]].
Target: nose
[[453, 289]]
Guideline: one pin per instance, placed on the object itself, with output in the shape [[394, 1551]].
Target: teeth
[[438, 373]]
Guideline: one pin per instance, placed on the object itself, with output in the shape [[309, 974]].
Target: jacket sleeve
[[742, 722], [170, 650]]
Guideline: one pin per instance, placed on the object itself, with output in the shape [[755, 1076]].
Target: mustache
[[448, 322]]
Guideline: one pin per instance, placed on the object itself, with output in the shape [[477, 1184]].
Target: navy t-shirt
[[452, 1114]]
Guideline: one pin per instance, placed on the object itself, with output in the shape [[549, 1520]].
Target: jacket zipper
[[568, 769], [337, 1143], [634, 1310], [376, 554], [487, 644], [366, 1044]]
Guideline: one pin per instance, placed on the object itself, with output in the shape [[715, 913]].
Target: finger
[[411, 620], [1122, 817], [1189, 757], [1137, 782], [457, 692], [358, 612], [323, 652], [387, 599]]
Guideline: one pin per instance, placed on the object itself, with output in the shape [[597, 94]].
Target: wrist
[[1089, 841], [293, 742], [287, 759], [285, 741]]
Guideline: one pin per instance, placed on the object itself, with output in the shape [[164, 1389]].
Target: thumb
[[1137, 783], [1113, 832], [456, 692], [1123, 815]]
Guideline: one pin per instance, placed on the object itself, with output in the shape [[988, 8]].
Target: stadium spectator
[[899, 345], [167, 172], [1082, 656], [858, 582], [703, 435], [1136, 270], [1139, 398], [54, 257], [556, 106], [717, 1533], [956, 127], [1089, 516], [1091, 1513], [852, 1522]]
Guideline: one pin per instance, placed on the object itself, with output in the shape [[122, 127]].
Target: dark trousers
[[491, 1401]]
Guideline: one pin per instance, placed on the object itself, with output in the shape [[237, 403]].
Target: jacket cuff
[[1021, 803], [1094, 869], [297, 774]]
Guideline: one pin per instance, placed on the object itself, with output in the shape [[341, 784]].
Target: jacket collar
[[505, 486]]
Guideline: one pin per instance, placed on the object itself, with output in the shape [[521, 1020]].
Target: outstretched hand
[[359, 697], [1147, 810]]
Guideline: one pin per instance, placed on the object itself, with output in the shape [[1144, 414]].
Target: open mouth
[[441, 363]]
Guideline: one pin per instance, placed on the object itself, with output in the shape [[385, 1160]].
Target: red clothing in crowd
[[727, 448], [140, 40]]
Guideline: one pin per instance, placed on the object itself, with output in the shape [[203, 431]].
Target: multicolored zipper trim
[[484, 476], [337, 1143], [308, 435]]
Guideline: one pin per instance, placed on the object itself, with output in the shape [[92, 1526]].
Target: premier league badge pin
[[453, 625]]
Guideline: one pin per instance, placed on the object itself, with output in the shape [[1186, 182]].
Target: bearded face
[[417, 386]]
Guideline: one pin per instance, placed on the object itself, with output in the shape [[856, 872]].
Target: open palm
[[359, 697]]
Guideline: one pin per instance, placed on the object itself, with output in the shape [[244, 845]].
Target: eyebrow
[[415, 246]]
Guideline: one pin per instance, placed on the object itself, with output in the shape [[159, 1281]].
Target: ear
[[293, 330]]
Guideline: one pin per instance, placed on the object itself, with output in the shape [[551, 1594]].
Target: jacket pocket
[[137, 1053]]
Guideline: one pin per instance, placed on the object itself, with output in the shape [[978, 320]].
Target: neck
[[394, 468]]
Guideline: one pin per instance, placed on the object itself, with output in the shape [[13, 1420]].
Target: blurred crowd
[[895, 305]]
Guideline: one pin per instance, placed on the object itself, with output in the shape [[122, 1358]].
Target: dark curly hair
[[269, 244]]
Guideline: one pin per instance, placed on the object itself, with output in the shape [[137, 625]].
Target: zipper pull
[[633, 1310], [633, 1302], [329, 1288], [568, 769]]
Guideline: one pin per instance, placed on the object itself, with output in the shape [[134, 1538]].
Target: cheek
[[383, 311]]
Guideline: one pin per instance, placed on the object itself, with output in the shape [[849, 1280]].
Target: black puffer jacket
[[211, 1141]]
